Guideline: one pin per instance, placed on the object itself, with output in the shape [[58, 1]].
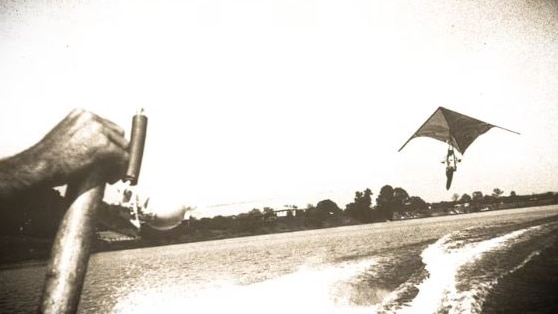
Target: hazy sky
[[255, 103]]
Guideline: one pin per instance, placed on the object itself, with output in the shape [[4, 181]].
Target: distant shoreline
[[17, 251]]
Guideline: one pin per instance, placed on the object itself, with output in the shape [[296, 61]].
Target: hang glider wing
[[453, 128]]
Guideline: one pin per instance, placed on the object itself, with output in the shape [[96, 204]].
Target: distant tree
[[455, 197], [385, 196], [476, 200], [221, 222], [327, 207], [319, 215], [465, 198], [269, 214], [417, 204], [489, 199], [497, 192], [511, 198], [386, 203], [400, 196], [251, 221], [255, 213], [477, 197], [400, 200], [547, 195], [360, 209]]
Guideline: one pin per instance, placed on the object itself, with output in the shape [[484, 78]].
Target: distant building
[[289, 212]]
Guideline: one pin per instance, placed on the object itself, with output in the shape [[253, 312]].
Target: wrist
[[22, 172]]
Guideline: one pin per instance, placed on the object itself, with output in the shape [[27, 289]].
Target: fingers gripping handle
[[70, 253], [137, 143]]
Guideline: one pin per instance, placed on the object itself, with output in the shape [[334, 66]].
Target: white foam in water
[[324, 289], [443, 263]]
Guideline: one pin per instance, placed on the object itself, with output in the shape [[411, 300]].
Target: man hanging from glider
[[451, 165], [455, 129]]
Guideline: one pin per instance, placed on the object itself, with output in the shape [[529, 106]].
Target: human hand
[[82, 142]]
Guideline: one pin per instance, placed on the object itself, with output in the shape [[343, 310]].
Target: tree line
[[39, 216], [390, 204]]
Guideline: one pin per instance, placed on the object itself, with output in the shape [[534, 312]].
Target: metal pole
[[70, 252]]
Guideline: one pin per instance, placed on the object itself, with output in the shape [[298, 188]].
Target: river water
[[451, 264]]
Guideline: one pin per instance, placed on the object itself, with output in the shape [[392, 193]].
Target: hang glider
[[453, 128], [457, 130]]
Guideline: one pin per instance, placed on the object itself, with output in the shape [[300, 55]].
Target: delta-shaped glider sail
[[454, 128]]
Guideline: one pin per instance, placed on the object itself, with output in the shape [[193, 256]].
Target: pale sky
[[266, 103]]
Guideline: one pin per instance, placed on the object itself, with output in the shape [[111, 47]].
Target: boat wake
[[461, 269], [452, 275], [325, 289]]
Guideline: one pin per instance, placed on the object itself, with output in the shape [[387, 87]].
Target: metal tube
[[70, 252], [137, 143]]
